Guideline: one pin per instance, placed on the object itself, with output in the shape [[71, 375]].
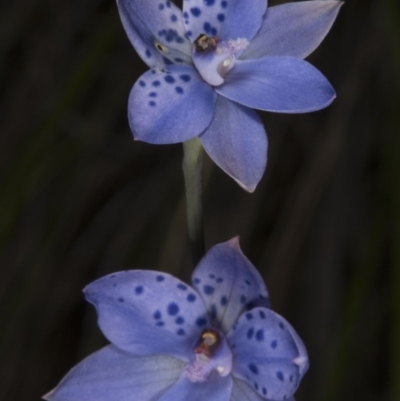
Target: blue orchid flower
[[213, 63], [217, 340]]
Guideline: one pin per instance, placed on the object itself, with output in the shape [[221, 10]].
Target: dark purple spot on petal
[[213, 312], [208, 290], [196, 280], [142, 83], [161, 6], [169, 79], [156, 83], [213, 31], [253, 368], [262, 314], [250, 306], [179, 320], [174, 18], [178, 89], [153, 94], [243, 299], [256, 386], [264, 391], [185, 77], [209, 2], [160, 278], [247, 282], [250, 333], [182, 287], [280, 376], [139, 289], [260, 335], [121, 299], [191, 298], [152, 103], [157, 315], [160, 324], [201, 322], [195, 11], [189, 33], [224, 301], [249, 316], [224, 4], [148, 53], [221, 17], [207, 27], [220, 280], [281, 325], [173, 309], [291, 378], [168, 4], [181, 332], [185, 15], [274, 344], [211, 276]]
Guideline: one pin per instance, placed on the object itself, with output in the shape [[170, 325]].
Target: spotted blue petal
[[280, 84], [223, 18], [236, 141], [241, 391], [155, 29], [170, 107], [147, 312], [215, 388], [112, 374], [293, 29], [229, 284], [268, 354]]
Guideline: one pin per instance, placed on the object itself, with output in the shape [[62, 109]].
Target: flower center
[[210, 352], [213, 59]]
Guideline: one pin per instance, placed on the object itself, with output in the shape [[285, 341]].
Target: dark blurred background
[[79, 199]]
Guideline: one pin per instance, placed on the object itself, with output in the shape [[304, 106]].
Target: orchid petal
[[170, 107], [147, 312], [156, 31], [241, 391], [237, 142], [215, 388], [268, 354], [223, 18], [293, 29], [229, 284], [279, 84], [111, 374]]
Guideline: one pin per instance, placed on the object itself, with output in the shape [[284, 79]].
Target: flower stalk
[[192, 165]]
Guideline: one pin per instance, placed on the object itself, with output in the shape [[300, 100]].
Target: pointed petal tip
[[300, 361]]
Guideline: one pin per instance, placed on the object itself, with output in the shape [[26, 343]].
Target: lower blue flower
[[217, 340]]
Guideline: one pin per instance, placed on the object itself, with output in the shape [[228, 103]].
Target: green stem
[[193, 172]]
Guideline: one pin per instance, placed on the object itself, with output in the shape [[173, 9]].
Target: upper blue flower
[[215, 341], [215, 61]]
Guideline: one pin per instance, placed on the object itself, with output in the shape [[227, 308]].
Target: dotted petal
[[268, 354], [156, 30], [223, 18], [170, 107], [147, 312], [229, 284]]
